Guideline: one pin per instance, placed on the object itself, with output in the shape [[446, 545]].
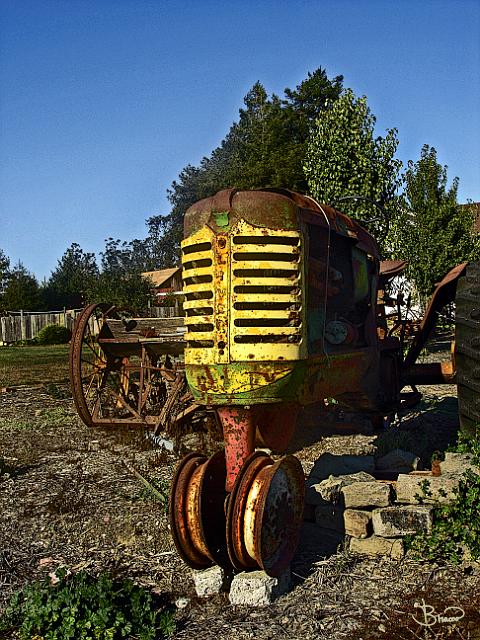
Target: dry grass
[[67, 498], [29, 365]]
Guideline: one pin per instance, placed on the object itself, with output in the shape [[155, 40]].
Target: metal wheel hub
[[265, 513]]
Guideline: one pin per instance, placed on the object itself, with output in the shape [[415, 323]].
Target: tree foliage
[[120, 281], [344, 159], [22, 291], [4, 270], [74, 274], [264, 148], [433, 233]]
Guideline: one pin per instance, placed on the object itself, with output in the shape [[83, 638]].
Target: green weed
[[9, 424], [83, 607], [456, 527]]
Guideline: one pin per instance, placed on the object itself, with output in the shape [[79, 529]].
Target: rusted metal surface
[[237, 506], [265, 513], [284, 307], [186, 531], [443, 294], [197, 512], [239, 436], [430, 373], [88, 365], [278, 515], [119, 376]]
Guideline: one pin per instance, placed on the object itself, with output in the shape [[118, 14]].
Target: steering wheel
[[384, 217]]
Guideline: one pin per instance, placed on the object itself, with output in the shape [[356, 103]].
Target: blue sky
[[103, 102]]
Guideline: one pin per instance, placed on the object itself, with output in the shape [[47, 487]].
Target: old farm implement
[[128, 371], [285, 306]]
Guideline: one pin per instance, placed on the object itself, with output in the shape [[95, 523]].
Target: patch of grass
[[33, 365], [83, 607], [159, 491], [56, 417], [9, 424]]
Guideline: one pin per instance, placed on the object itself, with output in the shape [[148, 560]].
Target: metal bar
[[430, 373]]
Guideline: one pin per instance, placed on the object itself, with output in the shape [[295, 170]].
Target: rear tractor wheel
[[467, 349]]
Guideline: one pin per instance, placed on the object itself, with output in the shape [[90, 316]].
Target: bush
[[82, 607], [54, 334], [456, 526]]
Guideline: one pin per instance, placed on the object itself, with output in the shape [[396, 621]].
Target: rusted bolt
[[221, 344], [222, 243]]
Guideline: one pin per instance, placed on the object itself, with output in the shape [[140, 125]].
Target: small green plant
[[54, 334], [158, 491], [56, 417], [82, 607], [456, 526], [426, 492], [11, 424]]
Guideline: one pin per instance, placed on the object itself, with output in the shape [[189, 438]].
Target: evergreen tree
[[120, 281], [73, 275], [22, 291], [4, 270], [264, 148]]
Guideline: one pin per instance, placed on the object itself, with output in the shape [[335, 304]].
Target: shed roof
[[160, 277]]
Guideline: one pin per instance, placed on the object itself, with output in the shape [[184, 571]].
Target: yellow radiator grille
[[198, 289], [266, 294]]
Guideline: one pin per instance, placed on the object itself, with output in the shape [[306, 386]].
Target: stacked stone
[[376, 515]]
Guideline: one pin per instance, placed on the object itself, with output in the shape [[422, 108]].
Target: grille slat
[[197, 259], [266, 292]]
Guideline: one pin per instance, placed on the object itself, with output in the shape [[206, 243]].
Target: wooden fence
[[23, 325]]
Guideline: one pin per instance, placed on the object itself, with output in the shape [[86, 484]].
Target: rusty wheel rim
[[279, 515], [237, 550], [212, 496], [183, 506], [87, 363], [99, 381]]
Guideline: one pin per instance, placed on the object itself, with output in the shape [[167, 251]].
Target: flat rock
[[377, 546], [357, 523], [257, 589], [457, 464], [331, 465], [398, 460], [397, 521], [413, 489], [210, 582], [360, 495], [329, 490]]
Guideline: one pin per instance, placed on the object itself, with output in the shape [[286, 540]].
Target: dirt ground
[[68, 498]]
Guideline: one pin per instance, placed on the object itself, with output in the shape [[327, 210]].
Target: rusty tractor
[[285, 306]]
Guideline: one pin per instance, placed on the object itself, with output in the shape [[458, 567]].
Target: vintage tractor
[[284, 306]]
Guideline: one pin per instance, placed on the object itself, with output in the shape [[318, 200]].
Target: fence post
[[23, 329]]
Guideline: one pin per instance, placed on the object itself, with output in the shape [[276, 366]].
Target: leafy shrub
[[54, 334], [456, 526], [82, 607]]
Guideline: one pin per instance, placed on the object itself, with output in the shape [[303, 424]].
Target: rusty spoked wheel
[[94, 376], [197, 512], [265, 512]]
